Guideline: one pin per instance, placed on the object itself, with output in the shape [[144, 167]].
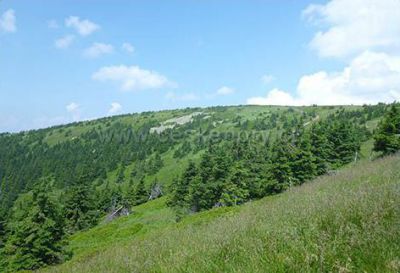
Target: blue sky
[[63, 61]]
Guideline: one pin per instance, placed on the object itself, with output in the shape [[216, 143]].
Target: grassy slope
[[343, 223]]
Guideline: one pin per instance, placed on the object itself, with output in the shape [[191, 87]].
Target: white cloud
[[224, 90], [115, 108], [98, 49], [132, 78], [127, 47], [266, 79], [8, 21], [74, 109], [181, 97], [64, 42], [355, 26], [52, 24], [370, 78], [83, 27], [367, 31], [274, 97]]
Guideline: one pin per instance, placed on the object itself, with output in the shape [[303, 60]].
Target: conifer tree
[[37, 234], [320, 148], [79, 208], [120, 175], [140, 194], [201, 195], [181, 186], [387, 136], [104, 196], [2, 230], [344, 141], [236, 191], [128, 194], [281, 170], [303, 165]]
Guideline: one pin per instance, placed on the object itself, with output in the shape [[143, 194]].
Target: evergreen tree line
[[40, 222], [230, 173], [387, 135], [25, 158]]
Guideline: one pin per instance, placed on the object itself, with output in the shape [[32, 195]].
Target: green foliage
[[235, 191], [343, 223], [320, 147], [387, 136], [36, 234], [2, 231], [181, 186], [344, 143], [79, 208], [140, 194], [233, 172], [281, 171], [303, 165]]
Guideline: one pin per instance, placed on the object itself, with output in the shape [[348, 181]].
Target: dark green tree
[[387, 136], [181, 186], [344, 141], [281, 171], [36, 233], [104, 196], [235, 190], [206, 189], [2, 230], [140, 194], [320, 148], [303, 164], [79, 208], [120, 175]]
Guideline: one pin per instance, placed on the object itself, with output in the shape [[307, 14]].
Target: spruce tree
[[79, 208], [104, 196], [128, 194], [2, 230], [121, 175], [206, 188], [37, 234], [387, 136], [280, 169], [140, 194], [320, 148], [303, 165], [345, 143], [235, 190], [179, 197]]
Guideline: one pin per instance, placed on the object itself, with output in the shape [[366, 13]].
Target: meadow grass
[[348, 222]]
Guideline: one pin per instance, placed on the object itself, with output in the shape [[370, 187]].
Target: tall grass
[[349, 222]]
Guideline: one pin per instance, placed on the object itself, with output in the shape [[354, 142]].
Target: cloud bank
[[115, 108], [132, 78], [364, 33], [83, 27], [98, 49]]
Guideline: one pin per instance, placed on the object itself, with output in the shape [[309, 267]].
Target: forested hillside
[[347, 222], [59, 181]]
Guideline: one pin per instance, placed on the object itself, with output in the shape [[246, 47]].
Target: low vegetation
[[347, 222]]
